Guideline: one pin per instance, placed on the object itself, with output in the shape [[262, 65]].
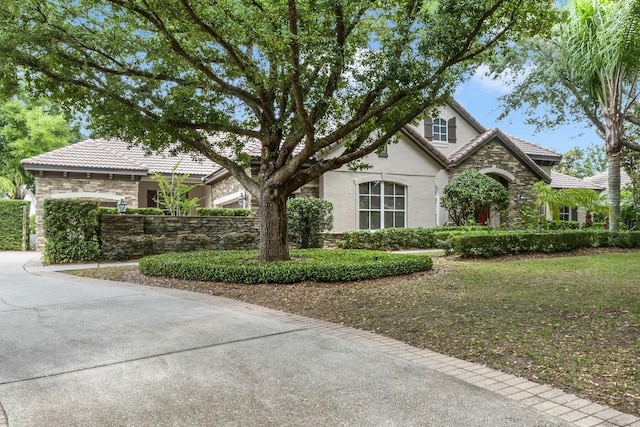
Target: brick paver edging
[[543, 398]]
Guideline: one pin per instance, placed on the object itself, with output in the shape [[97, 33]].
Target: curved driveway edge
[[136, 355]]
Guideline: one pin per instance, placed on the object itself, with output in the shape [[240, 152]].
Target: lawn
[[571, 321]]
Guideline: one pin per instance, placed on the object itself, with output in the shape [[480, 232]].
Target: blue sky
[[479, 96]]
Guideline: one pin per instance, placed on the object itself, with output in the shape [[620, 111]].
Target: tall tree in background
[[589, 69], [298, 76], [582, 163], [28, 128]]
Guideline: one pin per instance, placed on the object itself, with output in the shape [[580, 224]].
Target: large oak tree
[[298, 76]]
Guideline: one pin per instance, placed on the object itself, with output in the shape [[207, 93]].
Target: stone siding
[[494, 155], [48, 184], [134, 236], [224, 187]]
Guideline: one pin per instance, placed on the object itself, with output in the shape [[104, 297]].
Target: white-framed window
[[381, 204], [567, 213], [440, 130]]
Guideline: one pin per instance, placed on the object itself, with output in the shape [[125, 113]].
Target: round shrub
[[306, 265]]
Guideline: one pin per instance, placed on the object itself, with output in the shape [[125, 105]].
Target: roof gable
[[496, 134]]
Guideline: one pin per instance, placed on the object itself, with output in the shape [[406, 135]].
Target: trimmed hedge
[[498, 244], [389, 239], [306, 265], [222, 212], [132, 211], [71, 230], [11, 225]]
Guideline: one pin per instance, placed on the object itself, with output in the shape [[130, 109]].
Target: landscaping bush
[[131, 211], [306, 265], [308, 220], [11, 226], [222, 212], [471, 192], [389, 239], [71, 230], [498, 244], [144, 211]]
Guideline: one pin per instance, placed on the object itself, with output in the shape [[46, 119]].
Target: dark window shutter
[[451, 130], [428, 128], [574, 214]]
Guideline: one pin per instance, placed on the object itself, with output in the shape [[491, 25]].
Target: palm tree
[[590, 200], [545, 198], [600, 43]]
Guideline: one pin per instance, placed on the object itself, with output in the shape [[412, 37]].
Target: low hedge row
[[222, 212], [513, 243], [389, 239], [132, 211], [306, 265]]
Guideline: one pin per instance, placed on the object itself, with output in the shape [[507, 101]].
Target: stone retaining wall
[[134, 236]]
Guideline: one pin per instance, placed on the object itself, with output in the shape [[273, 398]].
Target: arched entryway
[[505, 178]]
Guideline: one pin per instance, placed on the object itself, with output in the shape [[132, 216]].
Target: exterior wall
[[50, 184], [495, 157], [406, 164], [464, 131], [223, 188], [134, 236]]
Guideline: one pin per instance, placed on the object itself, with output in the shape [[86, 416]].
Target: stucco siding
[[406, 164]]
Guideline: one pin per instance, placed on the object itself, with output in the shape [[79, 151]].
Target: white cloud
[[498, 84]]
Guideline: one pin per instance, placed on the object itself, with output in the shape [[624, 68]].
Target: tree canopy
[[28, 128], [471, 192], [582, 163], [298, 76]]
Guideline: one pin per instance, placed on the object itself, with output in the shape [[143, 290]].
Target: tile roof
[[115, 156], [535, 151], [602, 179], [560, 180]]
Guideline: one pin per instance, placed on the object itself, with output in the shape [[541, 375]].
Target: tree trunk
[[273, 227], [614, 131], [613, 166]]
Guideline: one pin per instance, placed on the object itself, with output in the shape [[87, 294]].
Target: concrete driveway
[[81, 352]]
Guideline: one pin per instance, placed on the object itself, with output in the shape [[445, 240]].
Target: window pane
[[375, 221], [399, 203], [388, 202], [388, 188], [364, 188], [375, 187], [399, 216], [375, 202], [399, 190], [388, 219], [364, 202], [364, 221]]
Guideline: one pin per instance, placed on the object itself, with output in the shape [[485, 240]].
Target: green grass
[[572, 322]]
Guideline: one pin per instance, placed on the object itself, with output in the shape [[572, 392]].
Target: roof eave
[[34, 167]]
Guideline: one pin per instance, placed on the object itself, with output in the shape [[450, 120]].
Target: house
[[402, 188], [108, 171]]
